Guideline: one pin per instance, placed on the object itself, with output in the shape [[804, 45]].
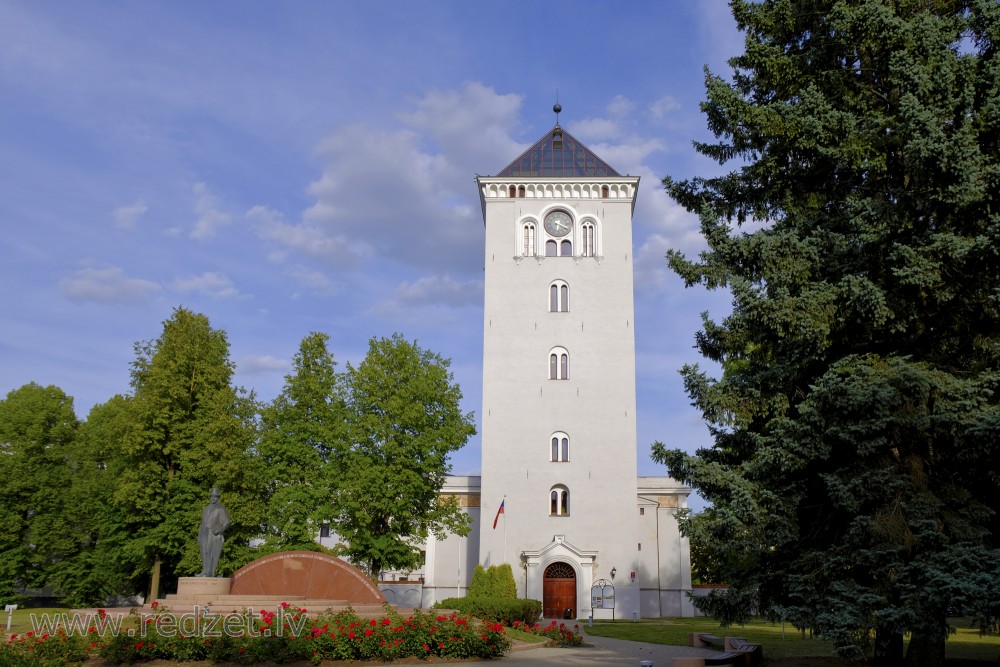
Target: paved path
[[600, 652]]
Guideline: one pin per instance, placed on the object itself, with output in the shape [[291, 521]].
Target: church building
[[559, 498]]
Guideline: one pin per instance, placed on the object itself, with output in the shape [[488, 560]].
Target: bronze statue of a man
[[214, 522]]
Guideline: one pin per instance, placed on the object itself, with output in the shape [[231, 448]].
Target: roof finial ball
[[557, 133]]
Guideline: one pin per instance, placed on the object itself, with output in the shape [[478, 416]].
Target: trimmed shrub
[[495, 582], [479, 587], [503, 582], [498, 610]]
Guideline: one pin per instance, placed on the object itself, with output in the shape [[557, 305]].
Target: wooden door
[[559, 591]]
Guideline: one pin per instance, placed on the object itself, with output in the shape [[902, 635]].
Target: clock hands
[[558, 223]]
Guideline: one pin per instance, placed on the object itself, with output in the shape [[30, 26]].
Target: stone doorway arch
[[559, 590]]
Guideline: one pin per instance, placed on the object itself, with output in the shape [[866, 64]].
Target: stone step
[[236, 599]]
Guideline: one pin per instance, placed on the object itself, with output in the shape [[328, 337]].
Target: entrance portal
[[559, 591]]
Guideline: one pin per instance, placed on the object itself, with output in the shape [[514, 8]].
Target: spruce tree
[[853, 475]]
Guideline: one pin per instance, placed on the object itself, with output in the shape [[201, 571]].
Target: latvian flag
[[499, 512]]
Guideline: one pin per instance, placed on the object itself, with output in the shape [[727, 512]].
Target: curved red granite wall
[[310, 574]]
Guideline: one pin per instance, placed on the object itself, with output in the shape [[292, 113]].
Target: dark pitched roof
[[548, 158]]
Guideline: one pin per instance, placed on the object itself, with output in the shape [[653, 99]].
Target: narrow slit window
[[558, 364], [559, 448], [528, 241], [559, 501], [558, 297], [587, 238]]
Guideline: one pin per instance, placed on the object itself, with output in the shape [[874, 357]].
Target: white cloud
[[309, 239], [614, 138], [316, 282], [663, 106], [441, 290], [629, 155], [402, 194], [210, 283], [620, 106], [661, 225], [257, 364], [433, 291], [109, 285], [473, 126], [127, 216], [596, 129], [210, 218]]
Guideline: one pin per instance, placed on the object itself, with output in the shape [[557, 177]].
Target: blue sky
[[288, 167]]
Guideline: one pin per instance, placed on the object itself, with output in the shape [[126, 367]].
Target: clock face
[[558, 223]]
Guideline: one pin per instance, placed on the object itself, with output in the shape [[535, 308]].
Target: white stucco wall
[[522, 407], [616, 521]]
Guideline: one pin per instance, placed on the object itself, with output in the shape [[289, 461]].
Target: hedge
[[498, 610]]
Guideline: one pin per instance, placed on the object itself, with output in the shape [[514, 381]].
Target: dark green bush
[[495, 582], [503, 582], [479, 587], [499, 610]]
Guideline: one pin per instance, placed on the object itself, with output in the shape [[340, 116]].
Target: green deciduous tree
[[303, 431], [96, 572], [37, 431], [188, 430], [856, 428], [404, 421]]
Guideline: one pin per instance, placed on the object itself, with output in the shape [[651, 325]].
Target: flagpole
[[505, 529]]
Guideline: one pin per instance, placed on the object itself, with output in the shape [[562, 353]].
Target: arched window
[[558, 364], [559, 448], [551, 248], [512, 191], [566, 248], [587, 238], [520, 191], [559, 501], [604, 192], [558, 297], [528, 240]]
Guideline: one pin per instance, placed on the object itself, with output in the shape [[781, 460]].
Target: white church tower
[[582, 533], [558, 416]]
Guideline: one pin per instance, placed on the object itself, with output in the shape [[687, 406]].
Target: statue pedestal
[[210, 586], [305, 579]]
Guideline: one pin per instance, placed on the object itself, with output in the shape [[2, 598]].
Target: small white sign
[[10, 608]]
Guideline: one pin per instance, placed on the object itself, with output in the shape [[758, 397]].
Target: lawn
[[778, 641]]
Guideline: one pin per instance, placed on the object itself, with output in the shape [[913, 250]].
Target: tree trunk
[[154, 581], [925, 650], [888, 648]]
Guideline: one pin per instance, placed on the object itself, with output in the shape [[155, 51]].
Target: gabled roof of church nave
[[558, 154]]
